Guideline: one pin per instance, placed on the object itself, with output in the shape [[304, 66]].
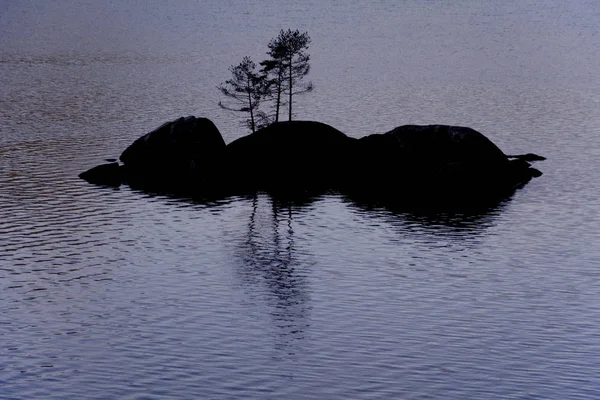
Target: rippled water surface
[[118, 293]]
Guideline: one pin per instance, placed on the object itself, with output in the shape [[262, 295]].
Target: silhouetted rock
[[290, 156], [422, 164], [105, 174], [184, 151], [437, 163], [528, 157], [535, 173]]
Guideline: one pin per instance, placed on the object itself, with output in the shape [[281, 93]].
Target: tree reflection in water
[[272, 269], [274, 264]]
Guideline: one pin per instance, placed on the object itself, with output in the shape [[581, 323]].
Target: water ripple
[[121, 293]]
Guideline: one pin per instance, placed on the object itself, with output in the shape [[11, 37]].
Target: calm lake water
[[117, 293]]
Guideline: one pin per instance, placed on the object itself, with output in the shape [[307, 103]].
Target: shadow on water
[[273, 265], [190, 198], [427, 205], [177, 192], [270, 259], [461, 216]]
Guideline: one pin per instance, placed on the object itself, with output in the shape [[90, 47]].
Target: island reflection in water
[[268, 258]]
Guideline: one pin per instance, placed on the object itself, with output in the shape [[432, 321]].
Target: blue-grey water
[[117, 293]]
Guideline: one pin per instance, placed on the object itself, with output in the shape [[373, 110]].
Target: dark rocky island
[[433, 164]]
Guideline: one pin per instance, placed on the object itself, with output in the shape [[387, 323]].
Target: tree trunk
[[278, 103], [290, 88], [250, 107]]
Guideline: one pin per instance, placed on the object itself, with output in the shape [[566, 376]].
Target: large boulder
[[184, 151], [291, 156], [436, 162]]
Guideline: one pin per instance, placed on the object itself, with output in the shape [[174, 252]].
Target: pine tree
[[287, 67], [275, 78], [246, 89]]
